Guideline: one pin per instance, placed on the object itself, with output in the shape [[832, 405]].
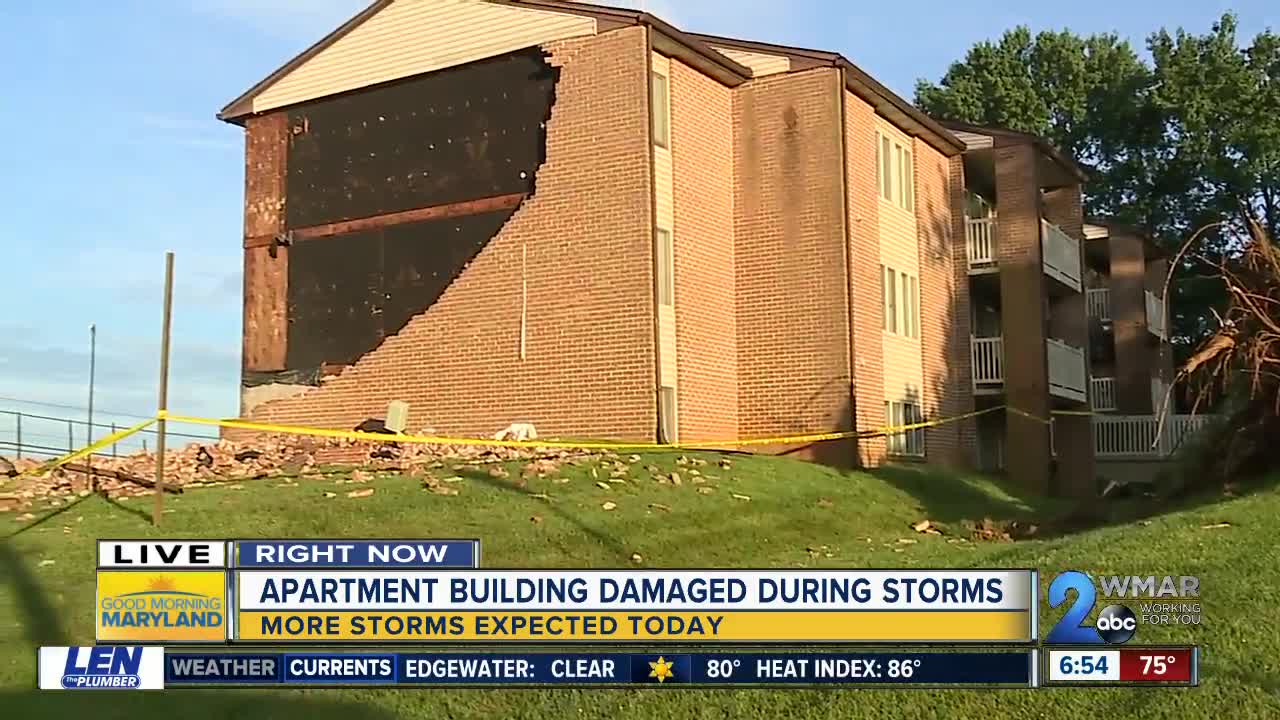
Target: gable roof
[[666, 39], [1018, 136], [860, 83]]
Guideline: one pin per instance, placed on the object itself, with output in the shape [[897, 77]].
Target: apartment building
[[1028, 273], [587, 219]]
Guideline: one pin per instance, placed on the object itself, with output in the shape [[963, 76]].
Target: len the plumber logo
[[1116, 623]]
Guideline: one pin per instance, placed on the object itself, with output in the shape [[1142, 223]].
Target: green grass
[[798, 515]]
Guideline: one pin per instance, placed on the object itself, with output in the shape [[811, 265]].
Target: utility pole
[[163, 405], [93, 356]]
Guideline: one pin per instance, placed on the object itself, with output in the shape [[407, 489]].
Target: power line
[[73, 407]]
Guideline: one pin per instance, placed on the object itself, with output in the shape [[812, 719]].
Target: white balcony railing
[[1142, 436], [1155, 315], [987, 360], [1099, 302], [1102, 393], [1067, 375], [1061, 254], [980, 239]]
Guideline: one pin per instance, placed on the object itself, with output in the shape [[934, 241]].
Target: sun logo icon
[[661, 669], [162, 583]]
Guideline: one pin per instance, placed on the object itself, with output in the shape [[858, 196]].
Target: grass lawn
[[798, 515]]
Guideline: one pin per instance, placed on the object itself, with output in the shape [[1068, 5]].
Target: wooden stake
[[163, 403]]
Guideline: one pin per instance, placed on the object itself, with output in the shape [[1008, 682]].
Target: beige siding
[[760, 63], [664, 217], [899, 249], [410, 37]]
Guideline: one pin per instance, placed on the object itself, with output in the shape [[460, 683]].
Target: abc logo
[[1116, 624]]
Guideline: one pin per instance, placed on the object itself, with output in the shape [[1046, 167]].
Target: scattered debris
[[907, 541], [736, 496], [1215, 526], [535, 519], [47, 563], [360, 493], [660, 506], [927, 527], [705, 490], [331, 495], [6, 468], [725, 463], [25, 517], [517, 431], [610, 505], [675, 479], [825, 503], [602, 485], [637, 558]]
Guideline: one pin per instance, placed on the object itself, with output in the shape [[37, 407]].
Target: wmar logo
[[101, 668], [1116, 624]]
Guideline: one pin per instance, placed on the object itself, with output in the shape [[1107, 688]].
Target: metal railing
[[1061, 255], [1142, 436], [27, 433], [987, 355], [980, 241], [1155, 315], [1099, 303], [1102, 393], [1067, 375]]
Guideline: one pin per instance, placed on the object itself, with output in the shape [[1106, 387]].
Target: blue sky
[[113, 156]]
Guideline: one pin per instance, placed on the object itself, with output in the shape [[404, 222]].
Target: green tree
[[1173, 145]]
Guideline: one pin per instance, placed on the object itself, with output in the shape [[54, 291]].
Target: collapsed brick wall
[[702, 153], [582, 243], [792, 316]]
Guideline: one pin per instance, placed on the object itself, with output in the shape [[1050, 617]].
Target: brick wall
[[944, 392], [702, 151], [793, 350], [1129, 324], [1022, 315], [960, 357], [1073, 434], [865, 312], [583, 243]]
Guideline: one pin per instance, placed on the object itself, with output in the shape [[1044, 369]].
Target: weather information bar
[[654, 669], [1124, 666]]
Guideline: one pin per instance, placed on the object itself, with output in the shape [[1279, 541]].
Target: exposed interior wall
[[702, 151], [792, 318], [862, 206], [551, 321]]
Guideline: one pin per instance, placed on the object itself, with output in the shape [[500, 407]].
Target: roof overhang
[[885, 101], [973, 135], [666, 39]]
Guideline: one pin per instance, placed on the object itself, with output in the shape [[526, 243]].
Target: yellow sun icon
[[661, 669], [162, 583]]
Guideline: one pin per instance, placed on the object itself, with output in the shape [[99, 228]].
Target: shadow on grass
[[188, 705], [609, 542], [951, 498]]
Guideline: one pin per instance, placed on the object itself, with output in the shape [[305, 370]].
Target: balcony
[[1061, 255], [987, 361], [1155, 316], [1102, 393], [1068, 376], [980, 239], [1143, 436], [1099, 303]]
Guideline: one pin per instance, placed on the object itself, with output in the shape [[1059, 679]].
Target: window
[[895, 172], [891, 299], [900, 300], [661, 110], [667, 414], [909, 442], [666, 268]]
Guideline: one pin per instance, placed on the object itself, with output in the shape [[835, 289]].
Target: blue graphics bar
[[1003, 668]]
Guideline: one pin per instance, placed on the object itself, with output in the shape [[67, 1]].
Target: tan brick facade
[[702, 153], [862, 206], [944, 311], [583, 243], [793, 352]]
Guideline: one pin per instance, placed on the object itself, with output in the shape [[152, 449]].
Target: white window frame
[[895, 172], [660, 108], [666, 251], [668, 428], [889, 277], [909, 443]]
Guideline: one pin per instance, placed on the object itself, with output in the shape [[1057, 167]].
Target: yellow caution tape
[[583, 444], [114, 437]]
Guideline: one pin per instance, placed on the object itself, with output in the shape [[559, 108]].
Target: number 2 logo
[[1071, 629]]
